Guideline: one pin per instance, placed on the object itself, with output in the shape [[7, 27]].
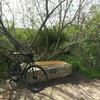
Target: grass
[[89, 72]]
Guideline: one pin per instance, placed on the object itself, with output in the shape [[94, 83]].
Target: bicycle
[[34, 76]]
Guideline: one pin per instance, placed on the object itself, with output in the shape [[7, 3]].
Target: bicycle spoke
[[37, 80]]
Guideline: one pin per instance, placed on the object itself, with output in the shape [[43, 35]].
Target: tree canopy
[[46, 27]]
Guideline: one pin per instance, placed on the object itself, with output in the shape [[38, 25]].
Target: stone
[[54, 69]]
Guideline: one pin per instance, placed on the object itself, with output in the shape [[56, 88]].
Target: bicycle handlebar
[[24, 54]]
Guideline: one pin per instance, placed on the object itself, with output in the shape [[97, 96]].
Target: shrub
[[52, 36]]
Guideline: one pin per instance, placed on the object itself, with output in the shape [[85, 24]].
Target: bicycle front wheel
[[35, 78]]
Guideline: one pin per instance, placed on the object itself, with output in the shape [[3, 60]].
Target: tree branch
[[59, 52], [38, 7], [74, 16], [13, 40], [60, 13], [43, 24], [46, 7], [0, 9], [13, 17], [56, 7], [66, 10], [6, 48], [6, 56]]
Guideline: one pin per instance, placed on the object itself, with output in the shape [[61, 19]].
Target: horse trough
[[55, 69]]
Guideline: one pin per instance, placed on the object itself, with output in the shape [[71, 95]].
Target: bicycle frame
[[29, 70], [27, 60]]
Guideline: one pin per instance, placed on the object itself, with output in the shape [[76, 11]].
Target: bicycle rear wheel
[[35, 78], [14, 70]]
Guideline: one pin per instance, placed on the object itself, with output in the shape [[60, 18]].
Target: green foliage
[[90, 72], [24, 35], [69, 59], [3, 69], [50, 39], [92, 29], [79, 64], [1, 62], [84, 57]]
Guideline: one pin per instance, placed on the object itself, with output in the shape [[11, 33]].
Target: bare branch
[[38, 33], [79, 8], [60, 13], [0, 27], [1, 33], [12, 15], [45, 51], [6, 48], [69, 21], [44, 24], [5, 42], [6, 21], [47, 7], [13, 40], [56, 7], [23, 13], [66, 10], [2, 58], [6, 56], [39, 12], [59, 52]]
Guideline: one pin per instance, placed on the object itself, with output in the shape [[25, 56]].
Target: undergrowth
[[3, 69], [89, 72]]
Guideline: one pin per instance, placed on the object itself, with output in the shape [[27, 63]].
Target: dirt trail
[[73, 87]]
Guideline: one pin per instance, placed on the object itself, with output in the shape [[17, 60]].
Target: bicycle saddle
[[16, 53]]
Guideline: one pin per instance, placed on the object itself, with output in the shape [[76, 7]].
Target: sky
[[16, 6]]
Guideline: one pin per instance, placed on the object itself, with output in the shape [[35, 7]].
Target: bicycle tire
[[32, 78], [13, 70]]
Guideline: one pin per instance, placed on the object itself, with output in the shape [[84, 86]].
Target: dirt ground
[[73, 87]]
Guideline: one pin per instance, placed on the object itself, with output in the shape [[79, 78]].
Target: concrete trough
[[55, 69]]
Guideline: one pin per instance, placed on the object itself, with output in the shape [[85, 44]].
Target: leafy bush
[[1, 62], [85, 58], [52, 36], [88, 54], [3, 69]]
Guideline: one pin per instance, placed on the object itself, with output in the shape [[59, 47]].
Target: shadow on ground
[[72, 87]]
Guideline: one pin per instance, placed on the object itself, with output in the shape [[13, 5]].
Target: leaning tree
[[39, 15]]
